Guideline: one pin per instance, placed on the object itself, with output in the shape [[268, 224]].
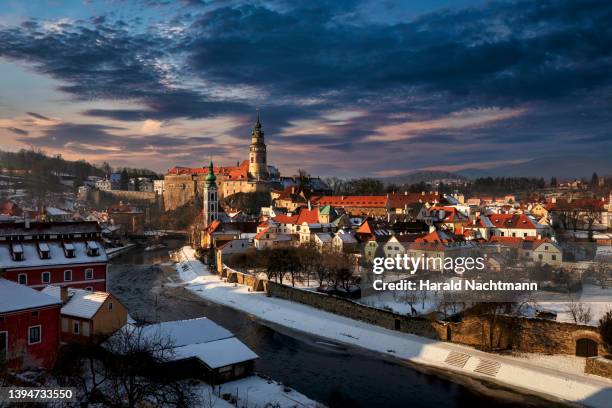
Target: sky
[[343, 88]]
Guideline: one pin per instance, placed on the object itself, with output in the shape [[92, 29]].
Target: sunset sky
[[346, 88]]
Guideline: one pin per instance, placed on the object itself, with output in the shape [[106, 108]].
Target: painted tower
[[210, 211], [258, 164]]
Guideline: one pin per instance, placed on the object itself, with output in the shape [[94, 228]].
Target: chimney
[[64, 294]]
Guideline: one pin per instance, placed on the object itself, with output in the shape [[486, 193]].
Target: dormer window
[[92, 248], [43, 251], [17, 251], [69, 250]]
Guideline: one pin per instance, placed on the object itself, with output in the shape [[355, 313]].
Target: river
[[338, 376]]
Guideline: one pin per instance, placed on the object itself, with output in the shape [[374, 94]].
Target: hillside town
[[285, 247]]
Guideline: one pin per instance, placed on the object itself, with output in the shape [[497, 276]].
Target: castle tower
[[258, 165], [211, 197]]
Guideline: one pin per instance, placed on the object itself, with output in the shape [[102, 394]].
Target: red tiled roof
[[261, 233], [366, 227], [397, 200], [515, 242], [517, 221], [230, 173], [351, 201], [450, 213], [308, 216], [286, 219], [436, 236]]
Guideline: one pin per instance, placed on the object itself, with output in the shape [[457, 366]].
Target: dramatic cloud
[[328, 77]]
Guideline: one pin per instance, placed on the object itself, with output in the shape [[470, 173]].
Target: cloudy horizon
[[347, 88]]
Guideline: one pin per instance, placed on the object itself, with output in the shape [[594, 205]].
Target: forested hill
[[38, 161]]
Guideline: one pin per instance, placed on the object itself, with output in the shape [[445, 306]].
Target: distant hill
[[560, 167], [421, 177]]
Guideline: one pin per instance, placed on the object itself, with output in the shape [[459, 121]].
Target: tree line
[[300, 265]]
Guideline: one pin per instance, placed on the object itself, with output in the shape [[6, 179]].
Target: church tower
[[258, 165], [211, 197]]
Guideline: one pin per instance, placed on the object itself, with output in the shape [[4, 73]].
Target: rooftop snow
[[14, 296], [56, 256], [81, 303], [217, 353], [185, 332]]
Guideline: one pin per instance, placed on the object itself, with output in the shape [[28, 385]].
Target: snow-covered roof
[[81, 303], [56, 252], [14, 296], [346, 238], [199, 338], [324, 236], [217, 353], [184, 332], [56, 211]]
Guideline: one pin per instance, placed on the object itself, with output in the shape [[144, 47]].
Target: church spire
[[210, 210]]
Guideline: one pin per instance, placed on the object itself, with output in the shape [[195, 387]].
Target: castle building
[[184, 184], [258, 168]]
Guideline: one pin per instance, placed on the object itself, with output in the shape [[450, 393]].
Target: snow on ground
[[399, 302], [597, 299], [518, 372], [566, 363], [258, 392]]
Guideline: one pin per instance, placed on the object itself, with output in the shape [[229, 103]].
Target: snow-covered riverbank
[[551, 380]]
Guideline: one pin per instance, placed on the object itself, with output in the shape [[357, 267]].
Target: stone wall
[[241, 278], [598, 366], [346, 307], [552, 337], [178, 190], [134, 195], [519, 334]]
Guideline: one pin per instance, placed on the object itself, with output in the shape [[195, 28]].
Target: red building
[[38, 254], [29, 327]]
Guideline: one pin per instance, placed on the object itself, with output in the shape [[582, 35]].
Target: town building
[[104, 185], [29, 327], [87, 316], [129, 217], [201, 349], [38, 254]]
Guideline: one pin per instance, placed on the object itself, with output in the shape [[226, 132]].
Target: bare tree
[[126, 371], [602, 273], [580, 312]]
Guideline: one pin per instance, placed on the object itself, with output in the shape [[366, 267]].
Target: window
[[110, 306], [540, 257], [86, 329], [35, 314], [75, 327], [524, 234], [546, 247], [553, 257], [64, 324], [34, 334], [89, 273], [22, 278], [46, 277], [3, 346], [67, 275]]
